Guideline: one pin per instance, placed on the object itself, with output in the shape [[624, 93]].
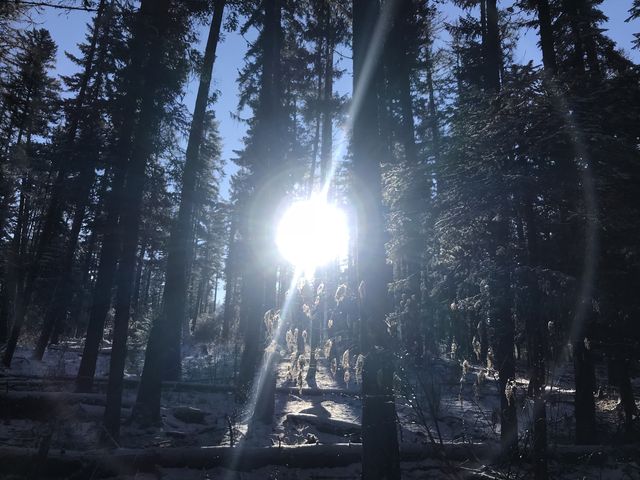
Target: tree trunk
[[214, 308], [571, 9], [135, 301], [16, 285], [585, 408], [380, 452], [79, 302], [101, 301], [163, 354], [493, 51], [589, 37], [150, 32], [501, 282], [258, 289], [504, 357], [62, 295], [316, 136], [326, 145], [627, 399], [546, 37], [536, 349]]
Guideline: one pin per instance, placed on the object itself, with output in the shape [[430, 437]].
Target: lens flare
[[311, 233]]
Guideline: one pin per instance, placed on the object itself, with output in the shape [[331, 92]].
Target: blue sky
[[67, 29]]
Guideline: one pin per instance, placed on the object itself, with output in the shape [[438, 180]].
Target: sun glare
[[311, 233]]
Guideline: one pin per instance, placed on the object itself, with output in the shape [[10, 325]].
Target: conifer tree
[[380, 451], [164, 343], [31, 98]]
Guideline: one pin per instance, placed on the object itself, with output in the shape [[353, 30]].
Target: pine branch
[[36, 4]]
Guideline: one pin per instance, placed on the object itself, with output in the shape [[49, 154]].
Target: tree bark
[[493, 51], [546, 37], [163, 356], [154, 21], [17, 276], [380, 451], [627, 399], [326, 145], [101, 299], [258, 282], [536, 348], [230, 279], [585, 408]]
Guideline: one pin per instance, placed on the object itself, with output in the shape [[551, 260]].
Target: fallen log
[[130, 461], [100, 384], [594, 454], [46, 405], [318, 391], [123, 461], [326, 424]]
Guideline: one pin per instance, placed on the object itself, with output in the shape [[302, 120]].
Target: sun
[[311, 233]]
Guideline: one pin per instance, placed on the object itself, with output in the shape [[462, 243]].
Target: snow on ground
[[464, 400]]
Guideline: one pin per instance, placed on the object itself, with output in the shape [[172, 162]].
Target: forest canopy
[[411, 250]]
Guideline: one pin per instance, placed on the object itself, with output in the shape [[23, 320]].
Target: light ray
[[373, 54]]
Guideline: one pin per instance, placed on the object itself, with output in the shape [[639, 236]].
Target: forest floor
[[37, 402]]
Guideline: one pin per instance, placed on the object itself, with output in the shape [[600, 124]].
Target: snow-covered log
[[118, 462], [133, 382], [326, 424], [123, 461]]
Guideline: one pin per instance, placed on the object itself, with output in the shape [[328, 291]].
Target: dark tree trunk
[[501, 282], [17, 278], [484, 341], [502, 319], [380, 451], [252, 310], [230, 278], [493, 50], [589, 37], [585, 408], [216, 281], [433, 112], [572, 10], [546, 37], [101, 299], [536, 348], [144, 301], [150, 35], [4, 308], [163, 354], [316, 137], [380, 454], [402, 78], [627, 400], [137, 288], [258, 282], [326, 145], [403, 34], [111, 242], [504, 356], [62, 295]]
